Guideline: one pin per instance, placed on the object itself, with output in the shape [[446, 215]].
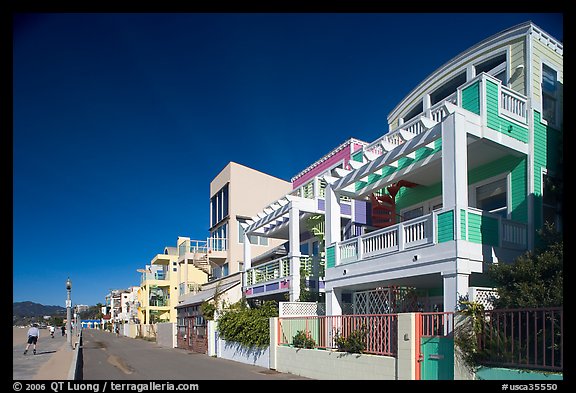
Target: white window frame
[[498, 68], [472, 191], [552, 66], [257, 238], [426, 206]]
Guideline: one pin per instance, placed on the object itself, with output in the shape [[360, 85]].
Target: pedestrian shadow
[[44, 352]]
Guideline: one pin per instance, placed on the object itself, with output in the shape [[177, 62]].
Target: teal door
[[437, 358]]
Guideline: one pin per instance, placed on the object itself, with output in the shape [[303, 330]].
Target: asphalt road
[[107, 357]]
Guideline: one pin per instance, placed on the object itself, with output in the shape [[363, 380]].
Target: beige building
[[237, 194]]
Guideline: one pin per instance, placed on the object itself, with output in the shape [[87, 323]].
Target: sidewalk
[[53, 360]]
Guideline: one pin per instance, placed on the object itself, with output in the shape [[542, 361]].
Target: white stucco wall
[[321, 364], [238, 353]]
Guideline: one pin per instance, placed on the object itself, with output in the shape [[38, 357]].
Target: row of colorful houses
[[463, 179]]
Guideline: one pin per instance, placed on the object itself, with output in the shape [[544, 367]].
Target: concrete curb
[[75, 372]]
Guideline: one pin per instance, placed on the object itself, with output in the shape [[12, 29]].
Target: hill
[[26, 310]]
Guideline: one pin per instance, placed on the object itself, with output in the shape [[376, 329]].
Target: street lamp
[[68, 312]]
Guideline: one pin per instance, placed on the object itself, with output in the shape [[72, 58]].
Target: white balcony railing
[[513, 104], [421, 231], [405, 235]]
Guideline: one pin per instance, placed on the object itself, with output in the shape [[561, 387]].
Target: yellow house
[[163, 282]]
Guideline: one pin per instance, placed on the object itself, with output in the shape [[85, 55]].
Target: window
[[495, 66], [448, 88], [219, 236], [549, 94], [492, 197], [410, 214], [254, 239], [219, 206], [415, 111]]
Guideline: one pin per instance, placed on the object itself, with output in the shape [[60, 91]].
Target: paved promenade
[[52, 361]]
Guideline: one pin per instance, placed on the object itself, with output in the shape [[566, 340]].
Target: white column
[[454, 161], [406, 366], [333, 308], [455, 166], [273, 349], [455, 287], [332, 216], [186, 267], [247, 260], [426, 105], [294, 252]]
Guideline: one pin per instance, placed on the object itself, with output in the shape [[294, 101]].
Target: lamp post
[[68, 312]]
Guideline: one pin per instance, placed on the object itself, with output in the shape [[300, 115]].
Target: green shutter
[[445, 227], [331, 256], [463, 223]]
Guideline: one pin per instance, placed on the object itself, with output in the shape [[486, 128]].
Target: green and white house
[[467, 162]]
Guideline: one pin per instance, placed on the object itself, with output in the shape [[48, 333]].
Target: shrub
[[302, 340], [247, 326], [354, 343]]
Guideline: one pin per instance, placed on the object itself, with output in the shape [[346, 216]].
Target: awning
[[205, 295]]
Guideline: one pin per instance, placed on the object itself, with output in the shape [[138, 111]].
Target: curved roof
[[459, 62]]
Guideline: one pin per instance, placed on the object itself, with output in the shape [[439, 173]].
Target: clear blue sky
[[122, 120]]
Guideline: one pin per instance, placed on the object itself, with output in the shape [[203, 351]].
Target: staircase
[[383, 210], [384, 206], [200, 261]]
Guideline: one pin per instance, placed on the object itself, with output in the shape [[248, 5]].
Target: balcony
[[501, 108], [479, 228], [153, 277], [212, 247], [275, 276]]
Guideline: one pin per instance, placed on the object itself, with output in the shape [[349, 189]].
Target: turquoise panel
[[499, 373]]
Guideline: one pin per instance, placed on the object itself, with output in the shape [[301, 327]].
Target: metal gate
[[435, 346]]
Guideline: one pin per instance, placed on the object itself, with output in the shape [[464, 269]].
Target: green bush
[[302, 340], [354, 343], [247, 326]]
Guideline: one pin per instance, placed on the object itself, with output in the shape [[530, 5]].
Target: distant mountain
[[31, 309]]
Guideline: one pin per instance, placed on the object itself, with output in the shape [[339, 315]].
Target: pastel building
[[295, 270], [236, 194], [165, 280], [463, 178]]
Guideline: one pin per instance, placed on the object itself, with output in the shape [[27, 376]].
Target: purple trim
[[259, 289], [343, 154], [360, 211], [271, 287], [345, 209]]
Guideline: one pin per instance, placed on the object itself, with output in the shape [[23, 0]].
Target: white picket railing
[[513, 104], [405, 235]]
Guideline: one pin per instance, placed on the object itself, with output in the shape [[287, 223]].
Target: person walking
[[52, 329], [63, 328], [33, 336]]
